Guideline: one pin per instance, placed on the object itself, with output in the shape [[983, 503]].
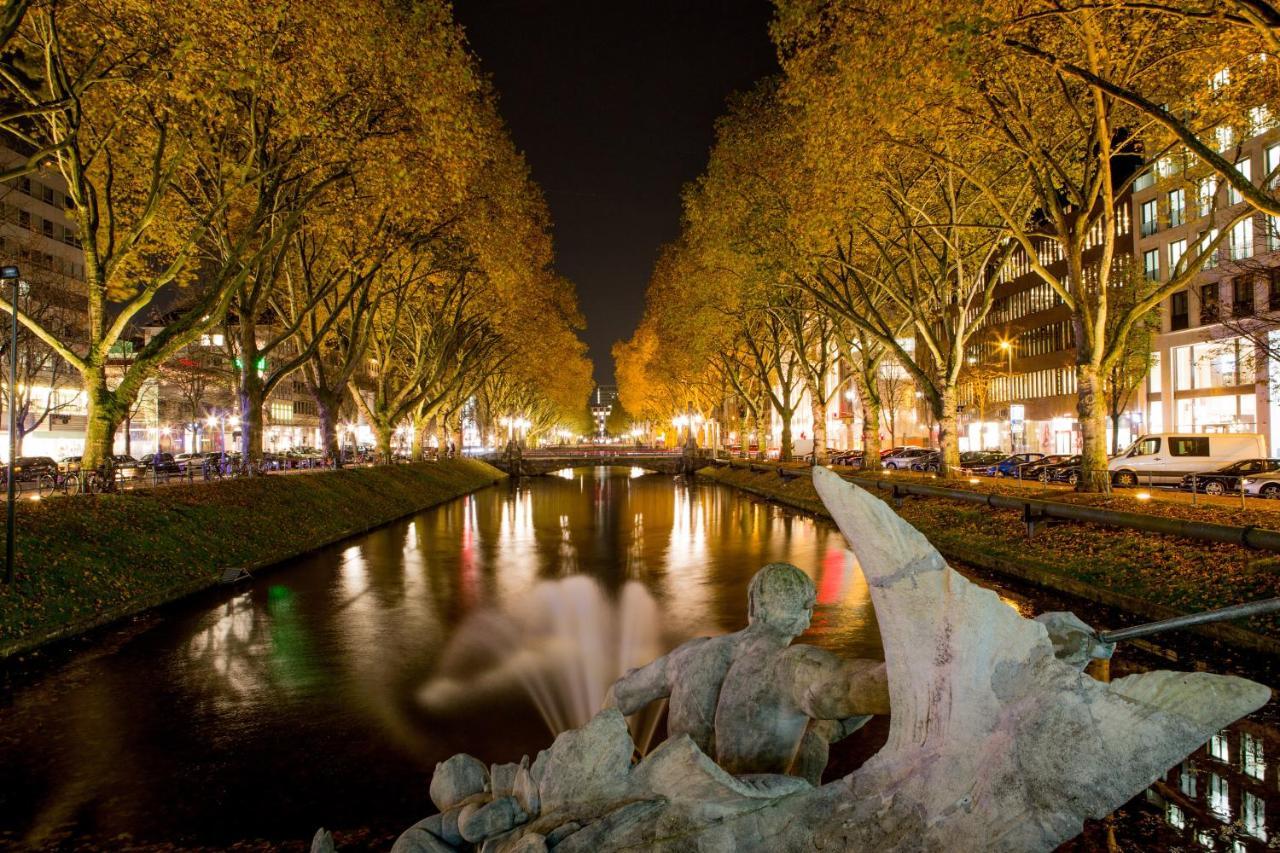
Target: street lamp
[[11, 275], [1006, 347]]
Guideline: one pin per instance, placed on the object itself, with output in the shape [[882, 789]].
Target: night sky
[[614, 102]]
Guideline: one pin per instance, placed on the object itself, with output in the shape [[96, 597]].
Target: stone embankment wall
[[1147, 575], [88, 560]]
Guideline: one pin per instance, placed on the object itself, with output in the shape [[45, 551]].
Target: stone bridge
[[534, 463]]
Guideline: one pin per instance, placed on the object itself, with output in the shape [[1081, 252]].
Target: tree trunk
[[1115, 432], [252, 403], [328, 405], [103, 418], [385, 432], [128, 435], [442, 438], [1094, 476], [786, 447], [457, 436], [948, 433], [870, 433], [819, 434], [419, 444]]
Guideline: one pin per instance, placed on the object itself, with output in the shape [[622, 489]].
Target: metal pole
[[1235, 611], [13, 430]]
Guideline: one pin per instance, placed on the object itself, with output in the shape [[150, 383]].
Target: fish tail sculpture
[[993, 743]]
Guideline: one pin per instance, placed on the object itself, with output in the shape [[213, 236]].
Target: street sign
[[9, 273]]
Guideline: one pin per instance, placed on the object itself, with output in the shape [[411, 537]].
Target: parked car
[[903, 458], [898, 448], [1032, 470], [928, 462], [69, 464], [1263, 485], [1066, 471], [978, 461], [186, 460], [1168, 457], [1011, 465], [126, 467], [159, 463], [27, 469], [852, 458], [1227, 478]]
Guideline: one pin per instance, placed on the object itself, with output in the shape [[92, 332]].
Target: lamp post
[[11, 275], [1007, 347]]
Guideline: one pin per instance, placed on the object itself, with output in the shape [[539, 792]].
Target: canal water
[[324, 692]]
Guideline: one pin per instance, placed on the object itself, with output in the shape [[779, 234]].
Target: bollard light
[[1143, 496]]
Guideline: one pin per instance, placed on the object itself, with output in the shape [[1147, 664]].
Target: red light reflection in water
[[468, 565], [835, 574]]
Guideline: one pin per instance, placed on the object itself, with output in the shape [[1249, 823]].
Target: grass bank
[[91, 559], [1150, 575]]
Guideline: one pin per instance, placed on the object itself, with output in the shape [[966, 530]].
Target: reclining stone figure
[[749, 699]]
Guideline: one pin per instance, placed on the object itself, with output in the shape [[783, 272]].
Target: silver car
[[1263, 485], [904, 458]]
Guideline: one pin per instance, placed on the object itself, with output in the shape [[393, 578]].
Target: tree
[[1133, 366], [149, 170], [1074, 144]]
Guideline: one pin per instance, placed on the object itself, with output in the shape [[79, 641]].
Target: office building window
[[1241, 239], [1271, 165], [1177, 207], [1208, 303], [1242, 296], [1273, 289], [1149, 217], [1207, 239], [1207, 191], [1243, 167], [1177, 249], [1179, 316], [1151, 264]]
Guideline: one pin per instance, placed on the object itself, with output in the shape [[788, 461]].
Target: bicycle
[[60, 483]]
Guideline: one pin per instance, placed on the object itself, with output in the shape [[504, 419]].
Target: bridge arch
[[537, 464]]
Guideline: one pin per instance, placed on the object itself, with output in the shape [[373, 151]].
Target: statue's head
[[781, 598]]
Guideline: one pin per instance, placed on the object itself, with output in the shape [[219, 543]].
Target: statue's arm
[[639, 687], [829, 688]]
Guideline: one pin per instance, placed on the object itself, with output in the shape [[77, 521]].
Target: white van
[[1166, 457]]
